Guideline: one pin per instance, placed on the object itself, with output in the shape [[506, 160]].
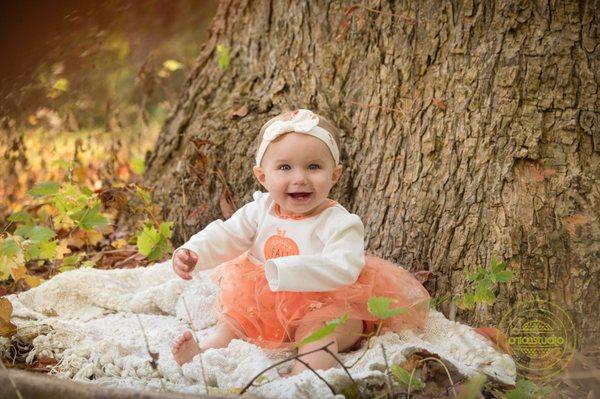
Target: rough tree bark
[[472, 130]]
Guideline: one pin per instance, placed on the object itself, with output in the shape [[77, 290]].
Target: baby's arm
[[221, 240], [340, 263]]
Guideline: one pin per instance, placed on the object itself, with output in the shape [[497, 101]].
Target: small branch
[[153, 356], [346, 370], [423, 360], [281, 362], [187, 310], [318, 375], [387, 371]]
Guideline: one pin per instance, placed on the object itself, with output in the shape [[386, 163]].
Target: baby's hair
[[325, 123]]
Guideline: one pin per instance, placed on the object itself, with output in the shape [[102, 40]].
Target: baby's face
[[298, 171]]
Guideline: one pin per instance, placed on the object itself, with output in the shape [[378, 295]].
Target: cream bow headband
[[302, 121]]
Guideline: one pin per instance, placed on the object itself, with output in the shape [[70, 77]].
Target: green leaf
[[524, 389], [44, 188], [89, 218], [504, 276], [22, 217], [137, 165], [9, 247], [403, 377], [71, 261], [144, 195], [151, 243], [88, 263], [472, 388], [497, 267], [483, 294], [172, 65], [35, 233], [41, 250], [469, 299], [325, 331], [380, 307], [476, 275], [166, 229], [223, 56]]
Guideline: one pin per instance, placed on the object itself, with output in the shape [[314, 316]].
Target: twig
[[248, 385], [318, 375], [423, 360], [11, 380], [346, 370], [368, 345], [187, 310], [387, 368], [153, 355]]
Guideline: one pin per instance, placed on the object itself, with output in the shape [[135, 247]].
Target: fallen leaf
[[33, 281], [226, 203], [7, 329], [243, 111], [439, 103], [498, 338]]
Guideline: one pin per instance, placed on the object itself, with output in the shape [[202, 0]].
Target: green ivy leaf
[[22, 217], [379, 306], [403, 377], [325, 331], [483, 294], [89, 218], [223, 56], [44, 188]]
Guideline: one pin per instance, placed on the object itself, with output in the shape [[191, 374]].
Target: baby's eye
[[313, 166], [284, 167]]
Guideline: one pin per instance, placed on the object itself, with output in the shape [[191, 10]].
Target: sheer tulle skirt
[[271, 319]]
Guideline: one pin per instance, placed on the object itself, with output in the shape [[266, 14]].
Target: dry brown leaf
[[243, 111], [226, 203], [498, 338], [7, 329], [439, 103]]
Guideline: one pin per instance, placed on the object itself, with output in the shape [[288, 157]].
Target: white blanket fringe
[[89, 320]]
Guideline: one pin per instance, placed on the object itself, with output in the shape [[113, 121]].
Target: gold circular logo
[[542, 338]]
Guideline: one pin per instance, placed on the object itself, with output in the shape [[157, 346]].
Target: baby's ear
[[337, 173], [259, 174]]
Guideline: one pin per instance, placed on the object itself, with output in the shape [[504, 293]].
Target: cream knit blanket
[[89, 320]]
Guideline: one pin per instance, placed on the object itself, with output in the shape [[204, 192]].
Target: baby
[[293, 259]]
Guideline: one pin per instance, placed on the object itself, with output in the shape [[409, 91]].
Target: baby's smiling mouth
[[299, 195]]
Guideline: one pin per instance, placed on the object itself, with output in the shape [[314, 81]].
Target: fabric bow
[[302, 121]]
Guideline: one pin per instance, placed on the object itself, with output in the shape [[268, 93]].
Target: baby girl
[[292, 260]]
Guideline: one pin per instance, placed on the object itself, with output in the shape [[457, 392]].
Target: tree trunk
[[472, 130]]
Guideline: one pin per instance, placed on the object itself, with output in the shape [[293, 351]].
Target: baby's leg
[[185, 348], [345, 336]]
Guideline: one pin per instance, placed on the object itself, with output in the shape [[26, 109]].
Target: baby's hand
[[184, 262]]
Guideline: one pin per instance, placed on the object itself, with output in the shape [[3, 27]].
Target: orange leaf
[[33, 281], [7, 329], [498, 338], [18, 272], [243, 111], [439, 103]]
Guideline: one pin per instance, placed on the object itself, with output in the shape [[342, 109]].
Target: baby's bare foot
[[185, 348]]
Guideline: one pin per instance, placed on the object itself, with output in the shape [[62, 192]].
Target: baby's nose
[[299, 177]]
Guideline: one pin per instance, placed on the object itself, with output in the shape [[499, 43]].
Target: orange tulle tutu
[[270, 319]]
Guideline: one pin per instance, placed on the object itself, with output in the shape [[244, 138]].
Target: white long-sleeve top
[[319, 253]]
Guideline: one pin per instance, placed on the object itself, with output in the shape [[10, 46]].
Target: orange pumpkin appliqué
[[278, 245]]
